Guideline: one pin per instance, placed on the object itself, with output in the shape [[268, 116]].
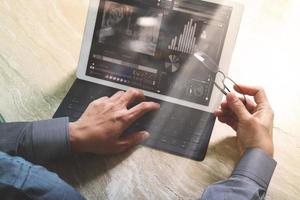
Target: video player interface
[[150, 45]]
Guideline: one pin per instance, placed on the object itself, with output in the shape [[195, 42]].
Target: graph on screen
[[186, 41]]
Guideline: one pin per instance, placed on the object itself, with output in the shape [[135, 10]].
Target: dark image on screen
[[151, 47], [127, 26]]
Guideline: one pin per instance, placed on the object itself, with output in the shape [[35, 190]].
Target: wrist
[[73, 137], [269, 150], [256, 165]]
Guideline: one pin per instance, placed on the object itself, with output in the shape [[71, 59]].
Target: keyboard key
[[164, 140], [77, 108], [195, 138], [75, 100], [193, 147], [76, 115], [183, 144], [173, 141]]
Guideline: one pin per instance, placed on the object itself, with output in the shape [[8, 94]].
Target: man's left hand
[[99, 130]]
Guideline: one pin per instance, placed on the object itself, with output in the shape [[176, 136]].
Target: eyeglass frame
[[212, 66], [223, 90]]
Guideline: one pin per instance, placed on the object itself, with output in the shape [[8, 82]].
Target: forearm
[[249, 180], [36, 141], [20, 179]]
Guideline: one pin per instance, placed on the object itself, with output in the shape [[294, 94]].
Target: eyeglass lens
[[226, 85]]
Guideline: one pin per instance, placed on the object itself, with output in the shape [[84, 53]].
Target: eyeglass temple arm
[[222, 90]]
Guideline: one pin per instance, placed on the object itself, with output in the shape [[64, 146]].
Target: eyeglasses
[[222, 82], [226, 85]]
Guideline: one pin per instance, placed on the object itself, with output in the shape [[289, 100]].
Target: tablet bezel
[[229, 43]]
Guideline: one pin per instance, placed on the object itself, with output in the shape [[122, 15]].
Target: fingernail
[[157, 104], [145, 136], [231, 97]]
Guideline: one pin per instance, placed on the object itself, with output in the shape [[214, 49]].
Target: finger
[[250, 105], [117, 95], [224, 105], [102, 99], [218, 113], [229, 113], [132, 140], [237, 107], [131, 96], [258, 93], [225, 113], [222, 111], [99, 102], [229, 121], [139, 110]]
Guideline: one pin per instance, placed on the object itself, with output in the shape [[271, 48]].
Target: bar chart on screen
[[186, 41]]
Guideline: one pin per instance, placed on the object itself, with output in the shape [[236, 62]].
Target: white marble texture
[[39, 48]]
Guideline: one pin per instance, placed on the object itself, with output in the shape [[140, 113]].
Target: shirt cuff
[[256, 165], [50, 139]]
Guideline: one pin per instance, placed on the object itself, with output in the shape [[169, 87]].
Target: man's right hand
[[253, 123]]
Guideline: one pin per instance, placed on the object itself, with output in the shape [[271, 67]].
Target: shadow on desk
[[87, 169], [225, 150], [82, 169], [59, 91]]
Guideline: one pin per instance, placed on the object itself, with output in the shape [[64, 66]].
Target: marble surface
[[39, 49]]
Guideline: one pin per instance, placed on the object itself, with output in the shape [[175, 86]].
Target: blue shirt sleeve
[[249, 180], [36, 141], [20, 179]]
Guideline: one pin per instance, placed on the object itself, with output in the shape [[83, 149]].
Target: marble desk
[[39, 49]]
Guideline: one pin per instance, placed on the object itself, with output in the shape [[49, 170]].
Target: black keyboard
[[173, 128]]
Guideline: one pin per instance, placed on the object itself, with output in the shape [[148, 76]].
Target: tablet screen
[[150, 45]]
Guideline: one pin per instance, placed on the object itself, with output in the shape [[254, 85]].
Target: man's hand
[[253, 123], [99, 130]]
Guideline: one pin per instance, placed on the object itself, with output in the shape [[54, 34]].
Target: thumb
[[133, 139], [237, 106]]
